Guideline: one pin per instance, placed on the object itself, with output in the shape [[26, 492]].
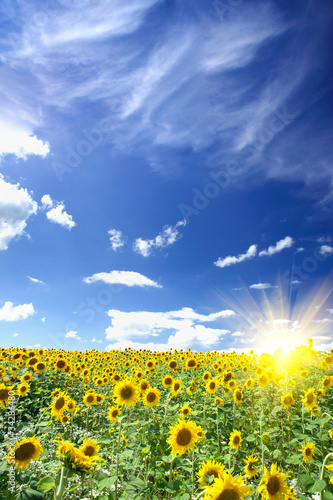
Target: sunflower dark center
[[23, 388], [33, 361], [273, 485], [228, 495], [184, 437], [212, 472], [288, 400], [61, 363], [238, 395], [25, 451], [307, 451], [151, 397], [191, 363], [60, 403], [90, 398], [168, 381], [126, 393], [114, 413], [89, 451], [173, 364], [236, 440], [40, 366], [3, 394], [176, 386]]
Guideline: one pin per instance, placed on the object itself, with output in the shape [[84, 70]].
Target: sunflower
[[211, 386], [70, 405], [209, 468], [114, 413], [90, 398], [185, 411], [173, 365], [167, 381], [32, 362], [144, 385], [126, 392], [238, 396], [235, 440], [206, 376], [272, 485], [191, 364], [227, 487], [309, 399], [316, 411], [23, 389], [249, 383], [26, 377], [183, 437], [326, 382], [330, 433], [26, 450], [58, 405], [40, 367], [90, 447], [60, 365], [65, 419], [4, 395], [287, 400], [151, 397], [250, 468], [176, 387], [307, 452], [263, 380], [218, 401]]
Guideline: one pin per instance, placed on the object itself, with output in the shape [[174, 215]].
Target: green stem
[[170, 474], [200, 495], [217, 428], [58, 494], [323, 472]]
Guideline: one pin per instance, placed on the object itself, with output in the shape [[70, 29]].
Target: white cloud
[[57, 212], [73, 335], [96, 340], [237, 334], [35, 280], [117, 239], [168, 236], [326, 250], [127, 278], [183, 327], [15, 334], [43, 319], [286, 242], [20, 142], [296, 282], [299, 250], [228, 261], [261, 286], [330, 311], [10, 313], [16, 206]]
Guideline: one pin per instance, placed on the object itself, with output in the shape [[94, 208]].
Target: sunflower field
[[164, 425]]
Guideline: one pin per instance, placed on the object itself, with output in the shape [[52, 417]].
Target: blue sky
[[166, 174]]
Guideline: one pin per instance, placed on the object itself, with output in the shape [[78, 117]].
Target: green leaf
[[136, 483], [294, 460], [327, 495], [250, 438], [46, 483], [318, 486], [307, 481], [209, 478], [30, 494], [106, 482], [277, 453]]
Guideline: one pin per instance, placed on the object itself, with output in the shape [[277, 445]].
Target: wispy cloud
[[21, 143], [126, 278], [35, 280], [117, 239], [326, 250], [73, 335], [184, 327], [16, 206], [230, 260], [286, 242], [168, 236], [56, 212], [9, 312], [261, 286]]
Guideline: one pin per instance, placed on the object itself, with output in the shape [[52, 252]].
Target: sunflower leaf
[[307, 481]]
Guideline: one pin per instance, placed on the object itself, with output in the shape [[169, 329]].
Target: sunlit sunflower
[[126, 392], [40, 367], [26, 450], [326, 382], [249, 383], [272, 484], [151, 397], [23, 389], [235, 440], [218, 401], [4, 395], [183, 437], [227, 488], [90, 398], [212, 386], [309, 399], [238, 396], [144, 385], [70, 405], [263, 380], [316, 411], [114, 413], [60, 365], [206, 376], [185, 411], [26, 377], [308, 451], [209, 468], [167, 381], [65, 419], [173, 364], [58, 405], [250, 468], [90, 447], [191, 363], [287, 400], [176, 387]]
